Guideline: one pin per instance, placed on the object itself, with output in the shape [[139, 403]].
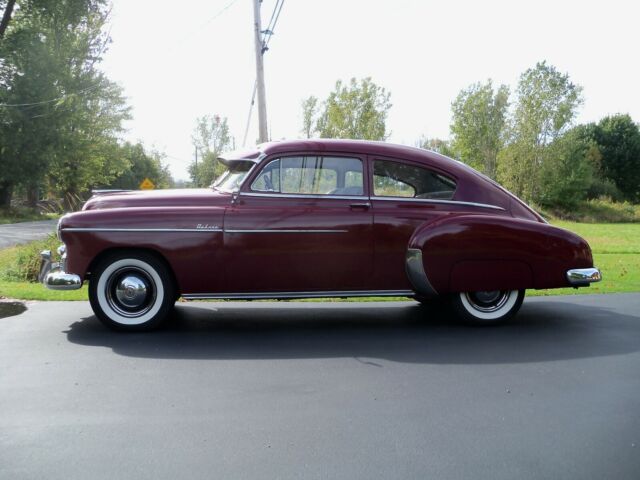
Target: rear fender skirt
[[490, 252]]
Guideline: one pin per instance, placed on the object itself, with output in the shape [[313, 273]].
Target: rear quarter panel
[[487, 252]]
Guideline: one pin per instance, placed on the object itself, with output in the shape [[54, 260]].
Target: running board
[[288, 295]]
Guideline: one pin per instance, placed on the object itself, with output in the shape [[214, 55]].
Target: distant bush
[[601, 210]]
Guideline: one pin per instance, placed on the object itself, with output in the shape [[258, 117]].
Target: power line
[[43, 102], [202, 25], [270, 30]]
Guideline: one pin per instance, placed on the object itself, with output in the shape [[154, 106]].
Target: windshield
[[231, 179]]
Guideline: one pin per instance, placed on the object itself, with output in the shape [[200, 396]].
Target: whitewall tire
[[131, 291], [487, 308]]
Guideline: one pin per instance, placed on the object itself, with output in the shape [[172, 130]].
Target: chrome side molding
[[417, 275], [582, 277], [288, 295]]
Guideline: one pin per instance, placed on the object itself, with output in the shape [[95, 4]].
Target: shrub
[[22, 263]]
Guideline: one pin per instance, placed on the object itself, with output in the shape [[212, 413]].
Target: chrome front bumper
[[52, 274], [582, 277]]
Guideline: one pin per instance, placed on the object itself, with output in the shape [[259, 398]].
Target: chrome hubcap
[[488, 301], [131, 291]]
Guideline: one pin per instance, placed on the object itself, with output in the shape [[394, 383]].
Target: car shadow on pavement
[[399, 332]]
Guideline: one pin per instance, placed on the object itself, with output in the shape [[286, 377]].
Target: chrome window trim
[[202, 230], [299, 195], [319, 294], [436, 201], [99, 229], [275, 230], [253, 193]]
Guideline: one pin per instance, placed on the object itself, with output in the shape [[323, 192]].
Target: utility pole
[[262, 106]]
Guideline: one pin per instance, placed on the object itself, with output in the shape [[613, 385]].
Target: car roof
[[365, 147]]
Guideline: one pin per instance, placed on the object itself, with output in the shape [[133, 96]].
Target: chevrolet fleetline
[[317, 218]]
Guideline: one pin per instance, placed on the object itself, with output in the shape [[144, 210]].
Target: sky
[[178, 63]]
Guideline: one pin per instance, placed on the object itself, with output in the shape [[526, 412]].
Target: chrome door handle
[[363, 206]]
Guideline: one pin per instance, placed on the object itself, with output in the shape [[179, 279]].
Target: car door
[[301, 223], [404, 195]]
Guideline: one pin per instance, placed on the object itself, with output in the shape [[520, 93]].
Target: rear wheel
[[487, 308], [131, 291]]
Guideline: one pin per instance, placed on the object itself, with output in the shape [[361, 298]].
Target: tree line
[[61, 118], [528, 141]]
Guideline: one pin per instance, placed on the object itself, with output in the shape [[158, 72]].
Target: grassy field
[[616, 251]]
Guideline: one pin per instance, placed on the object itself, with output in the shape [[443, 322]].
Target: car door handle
[[361, 206]]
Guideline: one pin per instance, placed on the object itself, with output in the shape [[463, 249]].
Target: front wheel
[[487, 308], [131, 291]]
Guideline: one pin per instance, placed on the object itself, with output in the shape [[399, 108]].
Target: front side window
[[312, 176], [395, 179]]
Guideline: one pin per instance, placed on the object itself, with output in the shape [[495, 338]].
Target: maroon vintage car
[[317, 218]]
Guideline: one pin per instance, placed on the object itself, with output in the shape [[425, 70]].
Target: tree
[[210, 138], [141, 165], [6, 16], [437, 145], [357, 110], [571, 166], [62, 116], [478, 126], [309, 116], [618, 139], [547, 102]]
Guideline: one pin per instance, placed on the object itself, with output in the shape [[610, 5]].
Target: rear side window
[[395, 179]]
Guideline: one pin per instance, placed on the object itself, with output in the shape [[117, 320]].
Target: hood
[[187, 197]]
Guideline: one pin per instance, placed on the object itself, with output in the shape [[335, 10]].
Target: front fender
[[481, 253]]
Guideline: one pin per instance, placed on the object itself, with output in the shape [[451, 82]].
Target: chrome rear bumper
[[582, 277], [52, 274]]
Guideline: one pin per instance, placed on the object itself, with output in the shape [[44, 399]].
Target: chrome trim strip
[[99, 229], [431, 200], [284, 295], [275, 230], [310, 196], [417, 275], [581, 277]]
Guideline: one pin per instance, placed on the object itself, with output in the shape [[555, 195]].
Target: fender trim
[[417, 275]]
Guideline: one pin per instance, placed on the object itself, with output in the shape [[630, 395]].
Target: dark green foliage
[[141, 165], [618, 139], [568, 170], [60, 116]]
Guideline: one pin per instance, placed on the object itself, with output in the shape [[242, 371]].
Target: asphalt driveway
[[323, 390], [18, 233]]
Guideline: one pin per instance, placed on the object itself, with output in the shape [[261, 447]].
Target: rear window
[[396, 179]]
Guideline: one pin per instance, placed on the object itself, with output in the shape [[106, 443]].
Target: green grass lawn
[[616, 251]]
